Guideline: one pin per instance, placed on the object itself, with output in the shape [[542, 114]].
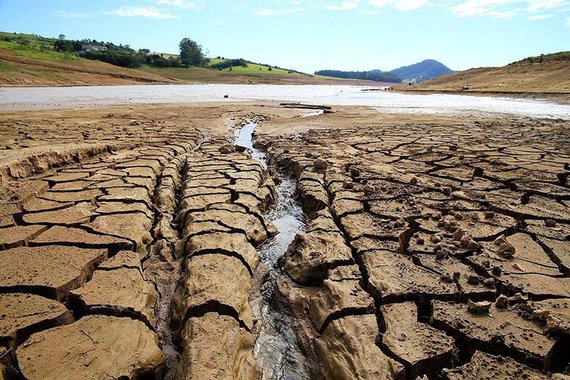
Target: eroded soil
[[130, 243]]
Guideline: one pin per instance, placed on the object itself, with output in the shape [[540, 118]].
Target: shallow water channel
[[276, 349]]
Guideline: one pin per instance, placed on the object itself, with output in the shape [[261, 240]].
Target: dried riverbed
[[234, 241]]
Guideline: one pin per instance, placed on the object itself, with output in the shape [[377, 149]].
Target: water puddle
[[276, 349], [313, 114]]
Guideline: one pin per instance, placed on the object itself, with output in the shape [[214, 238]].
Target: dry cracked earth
[[130, 244]]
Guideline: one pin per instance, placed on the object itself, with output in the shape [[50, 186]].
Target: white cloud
[[344, 6], [401, 5], [540, 17], [146, 12], [268, 12], [178, 3], [505, 8]]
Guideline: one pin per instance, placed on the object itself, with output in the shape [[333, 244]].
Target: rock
[[485, 366], [550, 223], [231, 244], [340, 292], [518, 298], [506, 250], [458, 234], [93, 347], [312, 254], [23, 314], [132, 226], [227, 149], [76, 214], [347, 350], [320, 164], [79, 237], [502, 302], [53, 270], [395, 276], [500, 240], [216, 347], [206, 286], [421, 347], [16, 236], [479, 307], [120, 291], [473, 279], [541, 314], [496, 327]]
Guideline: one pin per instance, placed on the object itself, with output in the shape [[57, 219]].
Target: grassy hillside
[[30, 60], [540, 74]]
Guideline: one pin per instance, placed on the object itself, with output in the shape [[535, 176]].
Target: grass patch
[[6, 67], [32, 46]]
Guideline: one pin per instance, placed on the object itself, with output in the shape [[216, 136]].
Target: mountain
[[546, 73], [422, 71], [372, 75]]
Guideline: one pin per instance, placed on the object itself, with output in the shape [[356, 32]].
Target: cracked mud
[[150, 243]]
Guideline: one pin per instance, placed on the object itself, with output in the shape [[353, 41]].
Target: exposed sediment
[[427, 251], [437, 226]]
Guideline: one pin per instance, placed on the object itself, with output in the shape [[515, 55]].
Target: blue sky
[[312, 34]]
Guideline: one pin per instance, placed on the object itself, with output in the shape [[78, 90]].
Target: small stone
[[354, 172], [458, 234], [489, 282], [500, 240], [348, 185], [497, 271], [473, 279], [447, 190], [226, 149], [518, 298], [541, 314], [414, 180], [478, 307], [446, 278], [550, 223], [134, 122], [506, 250], [502, 302], [441, 254], [369, 189], [320, 164], [489, 214], [420, 240], [456, 276]]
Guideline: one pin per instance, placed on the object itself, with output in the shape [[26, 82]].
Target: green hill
[[32, 60]]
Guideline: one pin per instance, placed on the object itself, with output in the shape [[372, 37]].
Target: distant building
[[93, 48]]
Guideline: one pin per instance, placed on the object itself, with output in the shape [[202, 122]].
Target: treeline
[[229, 63], [375, 75], [118, 55]]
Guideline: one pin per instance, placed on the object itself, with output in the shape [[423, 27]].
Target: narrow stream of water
[[276, 349]]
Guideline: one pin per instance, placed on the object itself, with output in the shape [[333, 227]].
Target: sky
[[309, 35]]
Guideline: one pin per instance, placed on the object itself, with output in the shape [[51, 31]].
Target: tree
[[191, 53], [62, 36]]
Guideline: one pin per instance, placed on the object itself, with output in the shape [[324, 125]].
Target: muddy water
[[276, 349]]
